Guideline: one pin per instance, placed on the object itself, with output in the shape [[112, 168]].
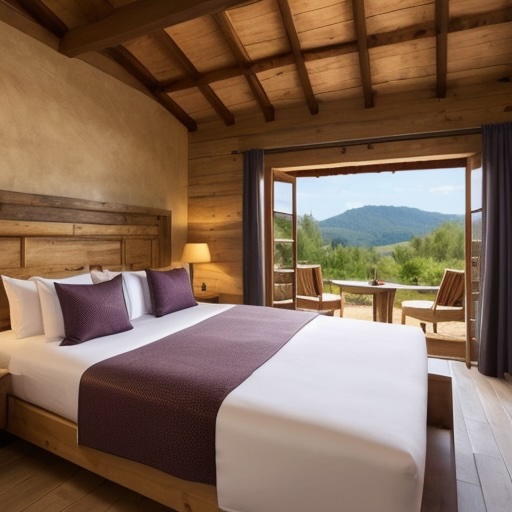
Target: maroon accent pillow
[[170, 290], [92, 310]]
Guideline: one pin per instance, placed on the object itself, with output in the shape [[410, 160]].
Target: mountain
[[372, 226]]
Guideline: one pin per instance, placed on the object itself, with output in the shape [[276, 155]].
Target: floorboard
[[33, 480], [483, 440]]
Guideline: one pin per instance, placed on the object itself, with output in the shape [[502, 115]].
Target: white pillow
[[24, 307], [100, 276], [135, 290], [53, 320], [136, 293]]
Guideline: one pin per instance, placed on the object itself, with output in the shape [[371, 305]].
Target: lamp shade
[[196, 253]]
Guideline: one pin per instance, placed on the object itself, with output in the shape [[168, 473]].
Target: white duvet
[[335, 421]]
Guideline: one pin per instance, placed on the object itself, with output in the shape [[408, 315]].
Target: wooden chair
[[448, 305], [310, 291]]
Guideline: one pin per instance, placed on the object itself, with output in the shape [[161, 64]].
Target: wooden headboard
[[54, 236]]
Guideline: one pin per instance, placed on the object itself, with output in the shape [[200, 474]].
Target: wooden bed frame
[[55, 237]]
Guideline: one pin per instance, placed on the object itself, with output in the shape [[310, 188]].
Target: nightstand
[[211, 297], [5, 387]]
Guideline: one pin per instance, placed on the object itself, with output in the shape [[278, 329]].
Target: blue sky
[[440, 190]]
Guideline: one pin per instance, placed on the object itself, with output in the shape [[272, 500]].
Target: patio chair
[[310, 291], [448, 305]]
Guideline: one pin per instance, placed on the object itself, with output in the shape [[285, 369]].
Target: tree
[[309, 240], [422, 260], [444, 243]]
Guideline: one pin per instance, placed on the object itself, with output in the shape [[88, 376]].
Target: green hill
[[372, 226]]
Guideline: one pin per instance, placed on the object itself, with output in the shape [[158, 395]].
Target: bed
[[336, 419]]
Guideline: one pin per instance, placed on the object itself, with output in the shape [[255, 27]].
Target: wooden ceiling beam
[[126, 59], [364, 56], [44, 16], [484, 19], [123, 57], [137, 19], [228, 72], [294, 42], [418, 31], [217, 104], [176, 110], [243, 60], [442, 18], [168, 43]]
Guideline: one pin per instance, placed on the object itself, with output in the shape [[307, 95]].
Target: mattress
[[48, 375], [336, 420]]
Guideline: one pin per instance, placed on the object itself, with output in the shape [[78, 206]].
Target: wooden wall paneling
[[215, 208], [215, 217], [115, 230], [40, 251], [220, 184], [138, 253], [79, 206], [54, 236], [223, 274], [213, 166], [400, 151], [215, 194], [223, 238], [412, 112], [164, 240], [10, 252], [210, 149], [34, 228], [224, 277], [69, 215]]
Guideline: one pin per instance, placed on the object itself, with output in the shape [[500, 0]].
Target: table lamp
[[195, 253]]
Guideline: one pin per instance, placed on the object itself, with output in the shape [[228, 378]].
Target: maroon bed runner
[[158, 404]]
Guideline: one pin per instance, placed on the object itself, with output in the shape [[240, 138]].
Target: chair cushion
[[418, 304]]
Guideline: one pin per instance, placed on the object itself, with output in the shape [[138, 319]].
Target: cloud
[[350, 205], [445, 189]]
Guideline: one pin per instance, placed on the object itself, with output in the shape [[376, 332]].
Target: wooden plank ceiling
[[207, 59]]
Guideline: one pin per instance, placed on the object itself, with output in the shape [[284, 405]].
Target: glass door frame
[[272, 176], [472, 262], [472, 162]]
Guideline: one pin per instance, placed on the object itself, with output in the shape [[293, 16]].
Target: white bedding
[[336, 420], [48, 375]]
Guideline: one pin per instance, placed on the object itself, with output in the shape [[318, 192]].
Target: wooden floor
[[483, 438], [34, 480]]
